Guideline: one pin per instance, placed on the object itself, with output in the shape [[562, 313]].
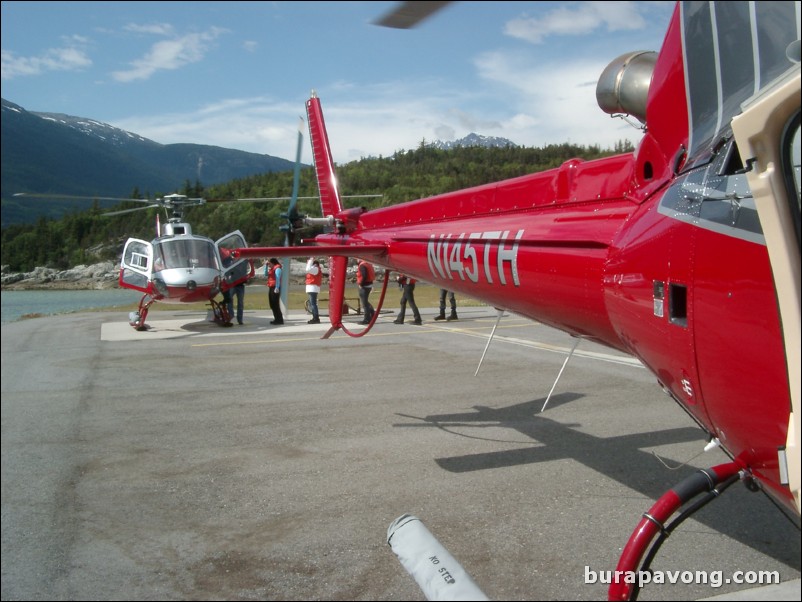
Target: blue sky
[[237, 74]]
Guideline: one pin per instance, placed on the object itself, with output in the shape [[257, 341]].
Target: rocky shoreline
[[83, 277], [97, 276]]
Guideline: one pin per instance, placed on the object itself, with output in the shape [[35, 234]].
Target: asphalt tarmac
[[259, 462]]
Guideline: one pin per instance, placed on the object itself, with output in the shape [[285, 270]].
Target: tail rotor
[[294, 221]]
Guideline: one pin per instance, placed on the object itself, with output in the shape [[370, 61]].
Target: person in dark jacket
[[408, 296], [238, 292], [273, 270], [453, 301]]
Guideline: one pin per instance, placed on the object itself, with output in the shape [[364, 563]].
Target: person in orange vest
[[273, 269], [314, 278], [408, 296], [365, 274]]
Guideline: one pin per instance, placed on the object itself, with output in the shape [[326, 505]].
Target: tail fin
[[330, 202], [330, 205]]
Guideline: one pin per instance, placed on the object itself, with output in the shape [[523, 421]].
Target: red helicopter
[[684, 253]]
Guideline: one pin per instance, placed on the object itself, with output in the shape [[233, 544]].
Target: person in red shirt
[[365, 274]]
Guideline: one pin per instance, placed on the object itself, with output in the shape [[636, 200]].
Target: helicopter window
[[226, 245], [185, 253], [225, 256], [136, 255], [167, 255], [203, 255], [791, 160], [232, 241], [138, 260], [158, 258]]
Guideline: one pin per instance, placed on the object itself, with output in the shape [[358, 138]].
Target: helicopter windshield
[[183, 253]]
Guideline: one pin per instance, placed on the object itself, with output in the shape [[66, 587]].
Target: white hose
[[436, 571]]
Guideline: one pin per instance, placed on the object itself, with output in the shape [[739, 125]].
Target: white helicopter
[[181, 267]]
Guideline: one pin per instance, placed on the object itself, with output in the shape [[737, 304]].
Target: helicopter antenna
[[499, 315]]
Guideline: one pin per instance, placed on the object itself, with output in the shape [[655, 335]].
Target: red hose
[[653, 522]]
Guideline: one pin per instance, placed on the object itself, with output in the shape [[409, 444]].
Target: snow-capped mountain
[[473, 139], [64, 154]]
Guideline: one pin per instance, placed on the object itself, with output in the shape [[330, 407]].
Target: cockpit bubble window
[[184, 253]]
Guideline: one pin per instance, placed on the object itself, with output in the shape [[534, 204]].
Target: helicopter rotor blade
[[72, 197], [257, 199], [292, 212], [410, 14], [289, 198], [133, 209]]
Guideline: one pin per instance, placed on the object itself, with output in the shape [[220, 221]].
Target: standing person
[[365, 274], [408, 296], [314, 278], [237, 291], [452, 300], [273, 269]]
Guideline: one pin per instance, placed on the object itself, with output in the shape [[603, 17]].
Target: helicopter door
[[137, 264], [768, 135], [234, 270]]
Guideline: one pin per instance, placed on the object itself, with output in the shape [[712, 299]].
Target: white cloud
[[550, 109], [555, 103], [445, 132], [161, 29], [580, 20], [169, 55], [68, 58], [473, 123], [252, 124]]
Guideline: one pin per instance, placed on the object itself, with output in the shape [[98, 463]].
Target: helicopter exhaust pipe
[[623, 86], [326, 222], [436, 571]]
